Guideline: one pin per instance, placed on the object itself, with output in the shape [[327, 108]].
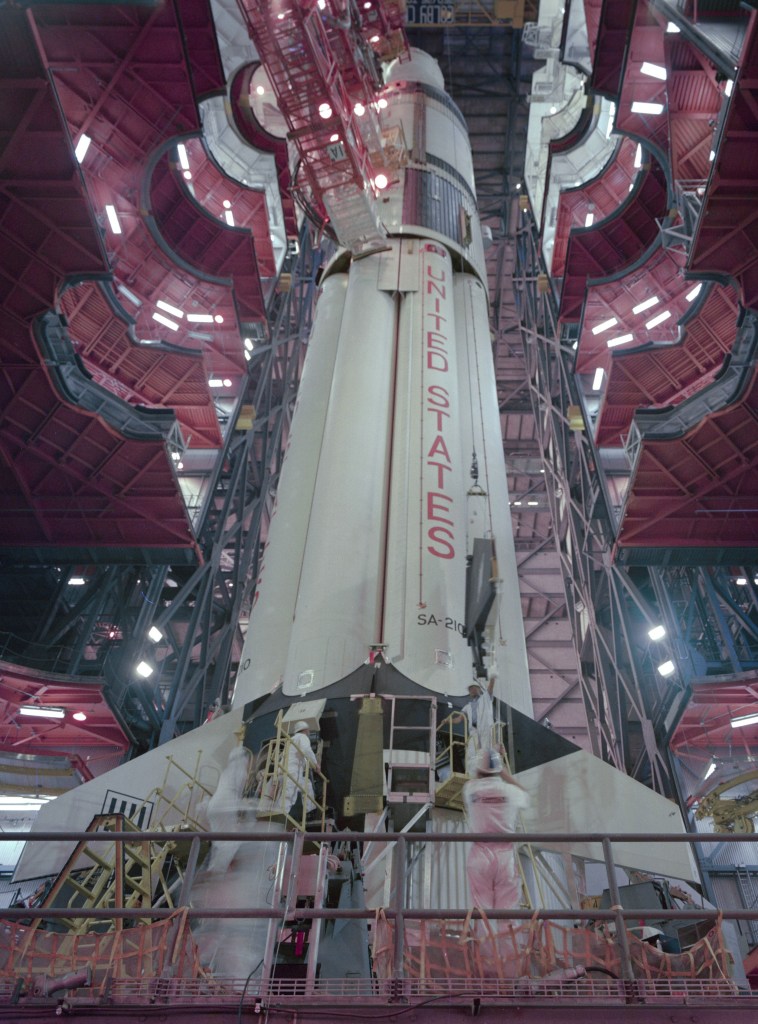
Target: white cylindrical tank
[[264, 653], [341, 578], [374, 523], [426, 558]]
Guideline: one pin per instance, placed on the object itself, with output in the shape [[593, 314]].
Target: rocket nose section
[[163, 788]]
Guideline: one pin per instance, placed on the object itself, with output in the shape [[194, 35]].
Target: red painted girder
[[58, 464], [605, 250], [646, 43], [660, 276], [602, 195], [701, 490], [101, 733], [125, 82], [694, 103], [610, 46], [141, 375], [213, 250], [211, 188], [667, 374], [726, 241]]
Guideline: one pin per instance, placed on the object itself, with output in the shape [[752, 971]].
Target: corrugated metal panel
[[439, 875]]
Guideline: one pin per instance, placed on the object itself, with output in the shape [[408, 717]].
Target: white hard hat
[[489, 763], [301, 726]]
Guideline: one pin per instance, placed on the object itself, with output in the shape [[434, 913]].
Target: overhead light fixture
[[249, 344], [642, 306], [532, 503], [260, 90], [23, 803], [41, 711], [667, 668], [672, 26], [589, 220], [710, 770], [382, 103], [694, 293], [621, 340], [200, 318], [517, 503], [181, 151], [381, 181], [110, 212], [215, 382], [144, 670], [657, 632], [741, 581], [658, 319], [128, 294], [325, 111], [218, 318], [165, 321], [229, 218], [597, 380], [712, 156], [638, 156], [653, 70], [79, 716], [359, 110], [76, 581], [640, 107], [728, 86], [82, 146], [168, 308], [155, 634], [742, 720], [605, 325]]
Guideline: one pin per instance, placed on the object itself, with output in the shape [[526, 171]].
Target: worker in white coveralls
[[478, 714], [298, 780], [492, 802]]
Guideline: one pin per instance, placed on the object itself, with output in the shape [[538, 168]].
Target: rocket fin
[[165, 787], [580, 793]]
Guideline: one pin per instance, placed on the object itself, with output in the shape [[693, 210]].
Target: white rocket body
[[373, 524], [374, 519]]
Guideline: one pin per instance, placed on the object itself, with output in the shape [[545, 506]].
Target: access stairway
[[322, 61]]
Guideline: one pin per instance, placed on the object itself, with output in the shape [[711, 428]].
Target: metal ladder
[[292, 943], [410, 772]]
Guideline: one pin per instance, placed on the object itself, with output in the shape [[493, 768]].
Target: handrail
[[398, 914]]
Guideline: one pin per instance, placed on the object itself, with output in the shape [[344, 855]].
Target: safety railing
[[405, 925], [277, 782]]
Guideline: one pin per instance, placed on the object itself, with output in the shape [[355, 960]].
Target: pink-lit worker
[[492, 802]]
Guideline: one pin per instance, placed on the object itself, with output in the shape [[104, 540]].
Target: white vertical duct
[[264, 654], [339, 593]]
